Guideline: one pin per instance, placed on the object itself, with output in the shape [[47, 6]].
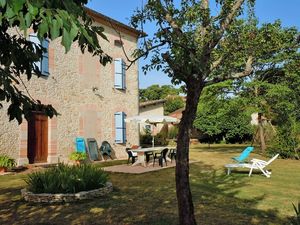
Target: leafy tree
[[198, 47], [49, 19], [173, 103], [156, 92], [224, 117]]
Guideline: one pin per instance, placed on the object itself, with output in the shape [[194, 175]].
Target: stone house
[[154, 107], [92, 100]]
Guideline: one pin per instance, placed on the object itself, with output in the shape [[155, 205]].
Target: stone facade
[[83, 93]]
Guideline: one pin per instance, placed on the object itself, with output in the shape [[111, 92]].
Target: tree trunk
[[261, 133], [184, 196]]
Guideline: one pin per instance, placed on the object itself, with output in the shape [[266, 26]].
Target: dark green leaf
[[28, 19], [33, 10], [54, 29], [2, 3], [43, 28], [66, 40]]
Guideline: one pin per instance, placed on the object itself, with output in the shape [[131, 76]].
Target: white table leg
[[140, 159]]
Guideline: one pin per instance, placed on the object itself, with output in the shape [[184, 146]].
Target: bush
[[78, 156], [160, 140], [146, 139], [67, 179], [7, 162], [173, 132], [284, 144]]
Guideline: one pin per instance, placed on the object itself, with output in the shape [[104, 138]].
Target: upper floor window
[[43, 64], [120, 76]]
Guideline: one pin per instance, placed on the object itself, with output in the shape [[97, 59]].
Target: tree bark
[[184, 196], [261, 133]]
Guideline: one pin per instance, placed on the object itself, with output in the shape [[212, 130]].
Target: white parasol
[[153, 120]]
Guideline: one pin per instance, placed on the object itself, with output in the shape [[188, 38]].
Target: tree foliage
[[167, 92], [224, 117], [273, 91], [49, 19], [156, 92], [173, 103], [199, 47]]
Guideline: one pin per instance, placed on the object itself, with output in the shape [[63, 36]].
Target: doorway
[[37, 145]]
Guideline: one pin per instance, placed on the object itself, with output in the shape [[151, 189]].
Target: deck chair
[[257, 164], [244, 155], [80, 144], [261, 165], [93, 149], [105, 149]]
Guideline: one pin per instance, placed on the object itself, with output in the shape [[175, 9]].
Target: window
[[120, 77], [43, 64], [120, 127]]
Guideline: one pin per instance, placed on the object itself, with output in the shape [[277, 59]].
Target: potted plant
[[78, 157], [6, 162]]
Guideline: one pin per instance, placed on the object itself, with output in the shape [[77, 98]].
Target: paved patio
[[138, 169]]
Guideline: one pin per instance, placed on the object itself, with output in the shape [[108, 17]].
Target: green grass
[[151, 198]]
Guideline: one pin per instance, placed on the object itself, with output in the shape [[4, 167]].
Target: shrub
[[7, 162], [67, 179], [78, 156], [284, 144], [173, 132], [160, 140], [146, 139]]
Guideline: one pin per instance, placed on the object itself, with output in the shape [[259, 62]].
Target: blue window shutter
[[33, 38], [119, 73], [124, 127], [45, 58], [123, 75], [120, 127]]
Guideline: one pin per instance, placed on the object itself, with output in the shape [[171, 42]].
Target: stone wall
[[83, 93], [155, 109], [59, 198]]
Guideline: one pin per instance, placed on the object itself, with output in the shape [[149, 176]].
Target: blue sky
[[288, 11]]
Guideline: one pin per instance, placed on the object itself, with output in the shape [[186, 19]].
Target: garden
[[150, 198]]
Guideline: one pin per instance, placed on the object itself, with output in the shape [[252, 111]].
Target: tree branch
[[226, 22], [145, 53], [216, 63], [248, 70], [168, 17], [206, 20]]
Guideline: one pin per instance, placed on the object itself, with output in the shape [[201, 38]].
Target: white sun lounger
[[257, 164]]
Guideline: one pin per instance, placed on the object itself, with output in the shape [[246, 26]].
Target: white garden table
[[141, 154]]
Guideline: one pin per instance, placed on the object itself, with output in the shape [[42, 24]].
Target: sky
[[288, 11]]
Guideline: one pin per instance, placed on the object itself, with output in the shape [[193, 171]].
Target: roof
[[177, 114], [153, 102], [109, 21]]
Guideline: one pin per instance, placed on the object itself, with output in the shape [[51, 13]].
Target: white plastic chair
[[255, 164], [261, 165]]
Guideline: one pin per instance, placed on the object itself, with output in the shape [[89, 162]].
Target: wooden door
[[37, 148]]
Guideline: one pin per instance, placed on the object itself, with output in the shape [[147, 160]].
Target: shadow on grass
[[219, 148], [146, 199]]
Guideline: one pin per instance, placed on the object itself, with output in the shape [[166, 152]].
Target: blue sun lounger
[[244, 155]]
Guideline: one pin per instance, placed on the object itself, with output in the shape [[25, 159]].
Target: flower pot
[[3, 169], [77, 162]]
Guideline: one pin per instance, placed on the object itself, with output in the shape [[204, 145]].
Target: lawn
[[151, 198]]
